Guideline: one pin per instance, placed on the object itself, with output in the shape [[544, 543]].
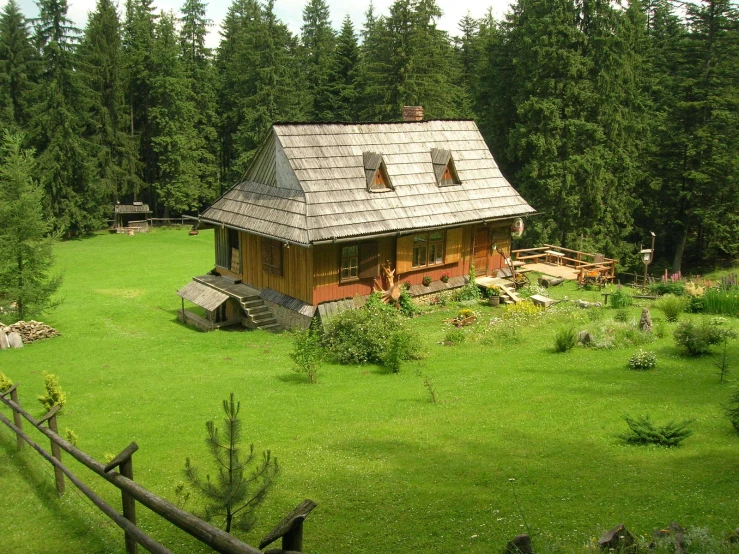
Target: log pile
[[30, 331]]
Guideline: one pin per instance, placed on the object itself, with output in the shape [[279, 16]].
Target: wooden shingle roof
[[308, 182]]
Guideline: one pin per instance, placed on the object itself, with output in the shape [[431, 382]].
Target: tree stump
[[618, 539], [547, 281], [521, 544]]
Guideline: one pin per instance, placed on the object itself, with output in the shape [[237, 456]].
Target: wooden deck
[[554, 270]]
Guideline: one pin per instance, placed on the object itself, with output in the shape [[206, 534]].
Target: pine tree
[[16, 72], [139, 71], [25, 244], [175, 143], [198, 66], [100, 66], [343, 92], [318, 42], [232, 494], [74, 197], [409, 61]]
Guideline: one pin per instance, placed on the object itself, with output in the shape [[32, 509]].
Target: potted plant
[[444, 277], [426, 280], [493, 295]]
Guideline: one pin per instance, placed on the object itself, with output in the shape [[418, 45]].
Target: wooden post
[[124, 461], [55, 450], [16, 414]]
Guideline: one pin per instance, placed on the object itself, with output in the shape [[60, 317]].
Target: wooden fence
[[131, 492], [582, 261]]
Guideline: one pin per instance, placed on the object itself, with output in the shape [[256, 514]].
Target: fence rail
[[131, 492]]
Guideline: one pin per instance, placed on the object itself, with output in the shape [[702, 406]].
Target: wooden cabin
[[322, 206]]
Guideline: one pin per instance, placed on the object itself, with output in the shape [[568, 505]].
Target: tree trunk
[[19, 302], [677, 261]]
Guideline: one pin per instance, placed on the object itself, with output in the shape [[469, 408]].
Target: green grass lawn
[[518, 430]]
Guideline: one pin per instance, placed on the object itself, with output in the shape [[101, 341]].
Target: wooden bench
[[535, 257], [554, 257]]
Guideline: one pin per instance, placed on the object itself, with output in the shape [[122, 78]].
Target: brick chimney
[[412, 113]]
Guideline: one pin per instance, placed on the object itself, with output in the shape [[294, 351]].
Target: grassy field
[[520, 435]]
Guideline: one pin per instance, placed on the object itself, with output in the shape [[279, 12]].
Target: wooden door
[[481, 250]]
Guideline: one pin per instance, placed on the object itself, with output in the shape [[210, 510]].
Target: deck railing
[[577, 259]]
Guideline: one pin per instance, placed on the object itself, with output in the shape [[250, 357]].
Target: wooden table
[[554, 256]]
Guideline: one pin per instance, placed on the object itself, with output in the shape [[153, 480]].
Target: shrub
[[695, 305], [403, 346], [697, 340], [670, 305], [642, 359], [521, 312], [620, 298], [308, 353], [621, 315], [5, 383], [54, 395], [643, 431], [406, 304], [667, 287], [565, 339], [732, 409], [470, 290], [455, 336], [71, 436], [427, 280], [364, 335]]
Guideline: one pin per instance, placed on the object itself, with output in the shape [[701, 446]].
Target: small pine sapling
[[233, 494], [732, 409], [54, 395], [722, 361], [643, 431], [430, 389]]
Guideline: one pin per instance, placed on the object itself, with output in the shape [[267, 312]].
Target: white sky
[[291, 11]]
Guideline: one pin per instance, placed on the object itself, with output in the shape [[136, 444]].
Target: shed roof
[[202, 295], [308, 182], [135, 208]]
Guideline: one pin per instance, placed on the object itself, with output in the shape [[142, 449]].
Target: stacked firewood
[[30, 331]]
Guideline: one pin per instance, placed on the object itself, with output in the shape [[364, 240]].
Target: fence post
[[56, 451], [124, 462], [13, 391]]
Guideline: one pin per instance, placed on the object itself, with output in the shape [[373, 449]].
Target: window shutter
[[453, 251], [369, 260], [403, 254]]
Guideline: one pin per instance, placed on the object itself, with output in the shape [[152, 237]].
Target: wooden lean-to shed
[[132, 218], [322, 206]]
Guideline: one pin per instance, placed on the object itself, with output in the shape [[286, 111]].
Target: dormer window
[[376, 173], [444, 170]]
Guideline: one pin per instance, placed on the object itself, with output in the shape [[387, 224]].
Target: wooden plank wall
[[326, 261], [297, 269]]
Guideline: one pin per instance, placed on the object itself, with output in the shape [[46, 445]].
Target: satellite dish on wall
[[517, 228]]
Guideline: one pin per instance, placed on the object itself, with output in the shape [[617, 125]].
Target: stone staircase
[[258, 315]]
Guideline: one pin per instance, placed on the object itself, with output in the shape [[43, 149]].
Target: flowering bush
[[427, 280], [642, 359]]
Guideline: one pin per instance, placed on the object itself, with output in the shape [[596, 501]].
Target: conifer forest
[[611, 119]]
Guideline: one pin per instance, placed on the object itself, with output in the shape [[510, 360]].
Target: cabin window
[[272, 256], [428, 249], [444, 169], [350, 262], [376, 172], [228, 249]]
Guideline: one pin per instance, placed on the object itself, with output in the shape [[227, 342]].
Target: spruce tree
[[318, 42], [74, 197], [26, 253], [100, 66], [198, 66], [343, 92], [175, 143], [16, 67]]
